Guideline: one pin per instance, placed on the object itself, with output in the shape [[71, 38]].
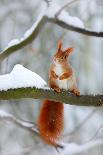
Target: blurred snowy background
[[81, 123]]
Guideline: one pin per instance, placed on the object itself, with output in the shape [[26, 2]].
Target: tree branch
[[83, 31], [64, 96], [65, 6]]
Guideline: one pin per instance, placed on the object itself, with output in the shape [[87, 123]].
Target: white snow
[[25, 124], [30, 31], [49, 12], [74, 21], [4, 114], [13, 42], [42, 13], [63, 16], [21, 77]]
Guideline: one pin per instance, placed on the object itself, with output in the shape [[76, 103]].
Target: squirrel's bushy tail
[[51, 121]]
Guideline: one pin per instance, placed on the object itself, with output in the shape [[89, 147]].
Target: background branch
[[67, 26], [64, 96], [9, 50], [32, 127], [39, 25]]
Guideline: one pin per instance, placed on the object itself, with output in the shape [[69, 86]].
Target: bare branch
[[64, 96], [65, 6]]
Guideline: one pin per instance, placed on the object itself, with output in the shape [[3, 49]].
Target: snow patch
[[21, 77], [4, 114], [13, 42], [74, 21]]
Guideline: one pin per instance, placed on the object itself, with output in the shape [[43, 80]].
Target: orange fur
[[51, 121]]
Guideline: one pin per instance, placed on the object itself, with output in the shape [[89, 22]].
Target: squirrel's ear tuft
[[59, 45], [69, 50]]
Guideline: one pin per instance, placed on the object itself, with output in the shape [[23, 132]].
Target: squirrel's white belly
[[58, 70], [63, 84]]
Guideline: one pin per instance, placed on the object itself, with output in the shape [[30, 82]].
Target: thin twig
[[80, 125], [96, 133], [30, 126], [65, 6], [21, 123]]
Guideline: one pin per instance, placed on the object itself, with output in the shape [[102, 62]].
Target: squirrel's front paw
[[54, 75], [57, 89], [76, 92], [65, 76]]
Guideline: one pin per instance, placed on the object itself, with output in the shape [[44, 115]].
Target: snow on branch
[[21, 77], [53, 13], [59, 16], [23, 83]]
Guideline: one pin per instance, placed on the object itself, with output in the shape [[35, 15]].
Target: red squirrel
[[61, 76]]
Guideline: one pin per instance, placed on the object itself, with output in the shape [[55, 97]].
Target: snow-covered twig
[[59, 16], [24, 124], [23, 83], [70, 27], [30, 126], [65, 6]]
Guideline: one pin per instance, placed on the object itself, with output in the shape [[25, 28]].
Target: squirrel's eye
[[65, 56]]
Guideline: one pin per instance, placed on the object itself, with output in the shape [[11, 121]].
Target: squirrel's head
[[62, 55]]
